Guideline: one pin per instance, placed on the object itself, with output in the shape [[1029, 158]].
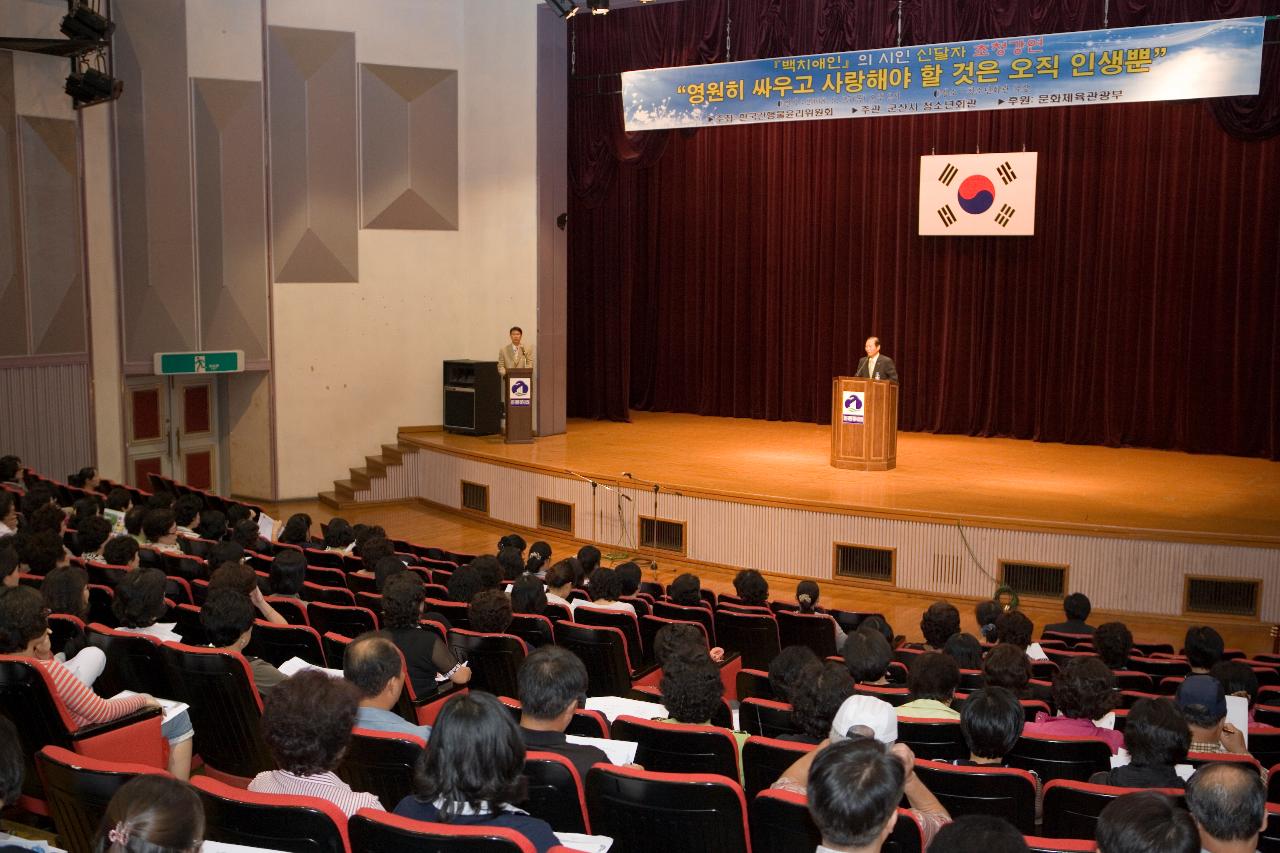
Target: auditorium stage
[[988, 482]]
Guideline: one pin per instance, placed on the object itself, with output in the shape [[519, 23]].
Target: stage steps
[[368, 478]]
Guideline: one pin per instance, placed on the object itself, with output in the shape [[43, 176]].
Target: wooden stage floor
[[1119, 491]]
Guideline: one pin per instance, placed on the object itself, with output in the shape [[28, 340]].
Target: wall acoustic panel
[[231, 215], [46, 416], [409, 147], [153, 143], [51, 224], [13, 292], [314, 177]]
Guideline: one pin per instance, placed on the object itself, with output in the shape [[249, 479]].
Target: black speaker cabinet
[[472, 397]]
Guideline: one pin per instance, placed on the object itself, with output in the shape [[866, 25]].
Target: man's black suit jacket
[[884, 369]]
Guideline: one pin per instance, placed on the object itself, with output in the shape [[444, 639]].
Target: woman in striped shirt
[[24, 631]]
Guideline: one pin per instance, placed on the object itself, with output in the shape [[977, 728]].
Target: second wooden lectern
[[864, 424], [518, 393]]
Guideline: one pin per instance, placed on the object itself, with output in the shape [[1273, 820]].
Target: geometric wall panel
[[231, 215], [51, 223], [153, 161], [314, 177], [409, 147]]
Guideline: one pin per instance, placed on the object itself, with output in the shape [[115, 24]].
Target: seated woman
[[297, 530], [490, 612], [339, 537], [139, 605], [816, 700], [65, 590], [244, 580], [1157, 738], [1009, 667], [692, 692], [790, 667], [867, 656], [965, 650], [686, 590], [155, 814], [528, 595], [288, 573], [306, 724], [752, 588], [429, 661], [991, 723], [931, 686], [1083, 692], [807, 593], [605, 588], [560, 584], [683, 639], [24, 631], [474, 771]]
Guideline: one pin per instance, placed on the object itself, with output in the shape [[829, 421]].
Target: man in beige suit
[[516, 354]]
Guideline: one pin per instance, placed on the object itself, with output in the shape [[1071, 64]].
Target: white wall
[[353, 362]]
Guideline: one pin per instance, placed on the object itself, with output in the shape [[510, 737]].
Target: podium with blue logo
[[864, 424], [518, 393]]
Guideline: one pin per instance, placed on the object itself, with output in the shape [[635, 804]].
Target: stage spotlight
[[564, 8], [599, 7], [90, 86], [84, 24]]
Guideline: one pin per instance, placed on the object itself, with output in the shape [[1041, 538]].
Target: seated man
[[227, 617], [854, 790], [553, 684], [1229, 806], [375, 666], [1146, 822], [1203, 703], [931, 685], [1077, 608]]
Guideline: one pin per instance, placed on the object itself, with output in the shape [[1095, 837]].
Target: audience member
[[1239, 679], [1009, 667], [807, 593], [512, 563], [1203, 703], [383, 570], [92, 532], [375, 666], [287, 574], [975, 833], [12, 473], [370, 551], [161, 530], [296, 530], [245, 534], [186, 514], [751, 587], [1076, 607], [139, 604], [686, 590], [338, 536], [605, 588], [991, 721], [692, 693], [867, 656], [1229, 806], [8, 513], [474, 772], [1016, 629], [938, 623], [876, 622], [589, 560], [463, 584], [490, 612], [24, 631], [133, 523], [119, 499], [426, 657], [816, 700], [121, 551], [553, 685], [528, 595], [231, 552], [1083, 692], [1203, 647], [1146, 822], [630, 575], [965, 650], [512, 540], [1157, 739], [931, 685], [560, 584], [684, 640], [152, 814], [306, 724], [244, 580], [9, 564], [47, 517], [787, 668], [1113, 643], [854, 790], [43, 551], [227, 616], [539, 556], [213, 525]]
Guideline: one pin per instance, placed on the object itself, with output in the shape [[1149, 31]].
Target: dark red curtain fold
[[734, 271]]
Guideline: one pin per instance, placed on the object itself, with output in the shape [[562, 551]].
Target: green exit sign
[[173, 363]]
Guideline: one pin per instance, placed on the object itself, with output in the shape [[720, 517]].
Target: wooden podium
[[864, 424], [517, 391]]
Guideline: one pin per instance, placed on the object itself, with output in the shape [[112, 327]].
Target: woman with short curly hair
[[1084, 691], [306, 724], [425, 655]]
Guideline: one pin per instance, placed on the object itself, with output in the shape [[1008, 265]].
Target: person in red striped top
[[24, 631]]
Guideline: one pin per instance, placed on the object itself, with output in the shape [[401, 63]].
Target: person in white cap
[[868, 717]]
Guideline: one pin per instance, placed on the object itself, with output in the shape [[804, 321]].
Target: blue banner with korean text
[[1203, 59]]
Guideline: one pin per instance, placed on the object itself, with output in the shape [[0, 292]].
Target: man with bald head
[[1229, 805], [374, 665]]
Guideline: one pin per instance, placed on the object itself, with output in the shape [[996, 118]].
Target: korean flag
[[978, 194]]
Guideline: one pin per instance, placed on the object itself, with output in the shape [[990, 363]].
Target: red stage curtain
[[734, 271]]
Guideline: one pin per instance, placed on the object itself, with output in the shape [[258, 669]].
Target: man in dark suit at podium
[[874, 365]]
